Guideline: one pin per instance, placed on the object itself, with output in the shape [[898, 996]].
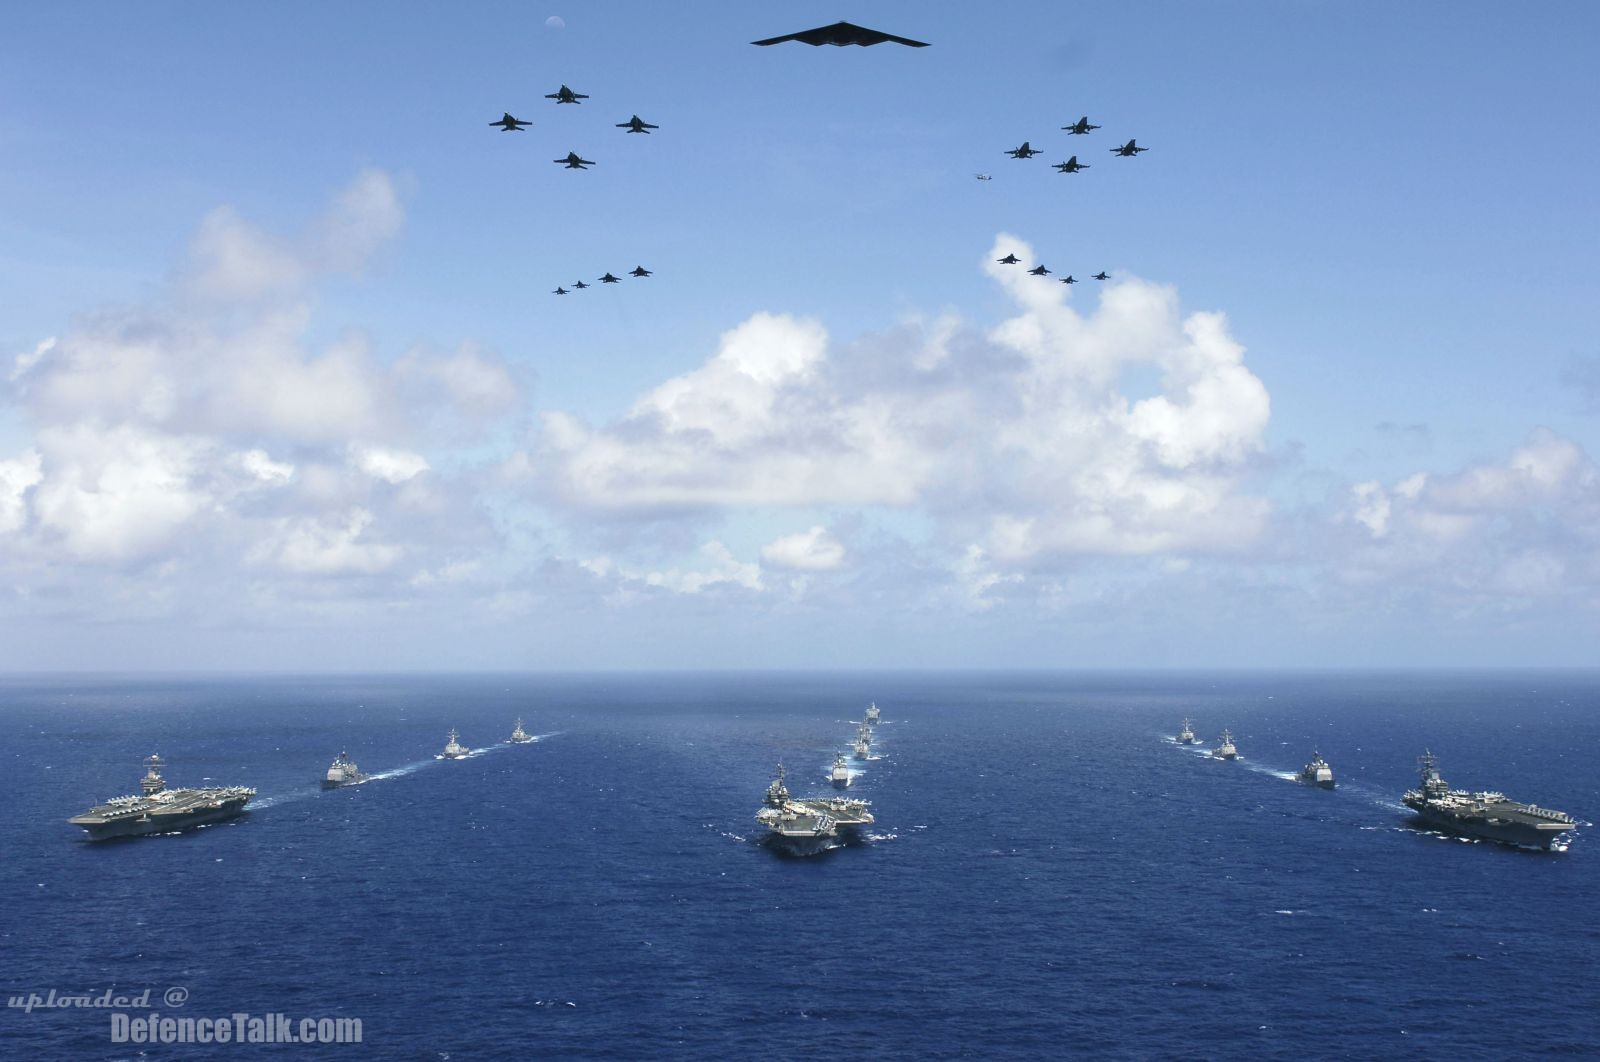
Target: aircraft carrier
[[1487, 815], [807, 827], [159, 809]]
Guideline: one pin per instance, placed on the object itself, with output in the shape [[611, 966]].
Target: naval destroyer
[[1225, 749], [159, 809], [1487, 815], [806, 827], [519, 736], [453, 749], [1186, 734], [863, 747], [343, 771], [1316, 773]]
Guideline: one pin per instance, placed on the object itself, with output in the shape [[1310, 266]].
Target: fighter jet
[[1009, 259], [1039, 270], [635, 125], [565, 95], [839, 35], [573, 162], [1072, 165], [1024, 152], [609, 279], [983, 177], [1128, 150], [1102, 275], [639, 271], [509, 124], [580, 285], [1069, 279], [559, 290], [1080, 127]]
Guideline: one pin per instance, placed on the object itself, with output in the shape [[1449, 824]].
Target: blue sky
[[1393, 207]]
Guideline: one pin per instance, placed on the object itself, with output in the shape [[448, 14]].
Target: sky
[[284, 386]]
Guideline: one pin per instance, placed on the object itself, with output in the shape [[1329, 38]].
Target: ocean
[[1049, 876]]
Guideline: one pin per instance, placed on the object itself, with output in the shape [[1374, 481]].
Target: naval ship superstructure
[[863, 746], [343, 771], [1316, 773], [161, 810], [840, 775], [519, 736], [1225, 749], [872, 713], [1186, 733], [453, 749], [1488, 815], [806, 827]]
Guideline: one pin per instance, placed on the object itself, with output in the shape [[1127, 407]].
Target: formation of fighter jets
[[1041, 270], [1082, 127], [510, 124], [606, 278]]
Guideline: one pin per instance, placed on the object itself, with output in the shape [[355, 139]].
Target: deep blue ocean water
[[1049, 876]]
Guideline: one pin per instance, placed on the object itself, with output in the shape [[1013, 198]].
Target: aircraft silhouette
[[559, 290], [573, 162], [580, 285], [1128, 150], [639, 271], [1024, 152], [634, 125], [839, 35], [1009, 259], [1069, 279], [1080, 127], [983, 177], [609, 279], [1039, 270], [565, 95], [1102, 275], [1072, 165], [509, 124]]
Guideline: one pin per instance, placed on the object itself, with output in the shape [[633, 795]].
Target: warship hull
[[328, 783], [1502, 826], [170, 818]]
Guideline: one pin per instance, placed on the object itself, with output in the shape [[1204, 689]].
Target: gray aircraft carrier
[[806, 827], [1488, 815], [159, 809]]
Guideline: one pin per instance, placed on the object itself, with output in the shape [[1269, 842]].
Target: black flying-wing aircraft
[[565, 95], [1102, 275], [609, 279], [1128, 150], [638, 271], [1072, 165], [573, 162], [841, 34], [1039, 270], [1080, 127], [509, 124], [1026, 151], [1009, 259], [635, 125]]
